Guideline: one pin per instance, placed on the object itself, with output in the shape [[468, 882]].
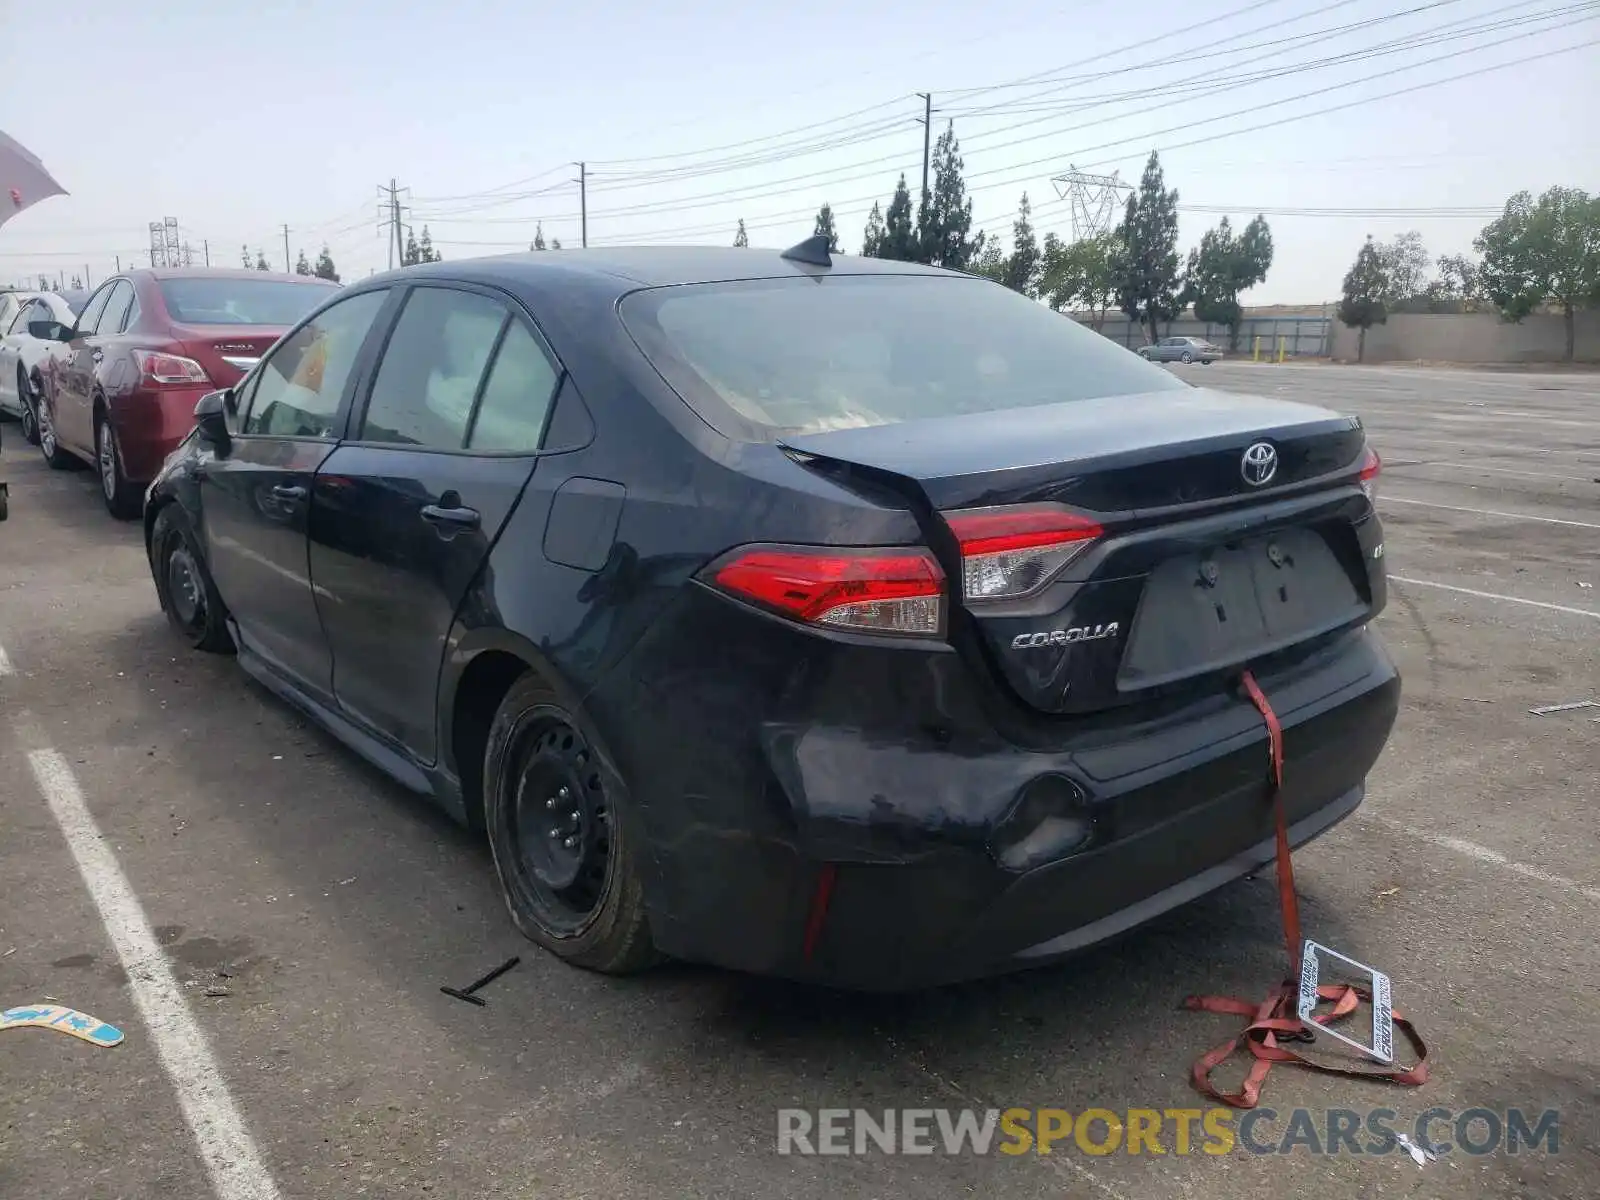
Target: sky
[[237, 119]]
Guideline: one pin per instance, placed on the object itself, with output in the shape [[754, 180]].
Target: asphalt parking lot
[[331, 906]]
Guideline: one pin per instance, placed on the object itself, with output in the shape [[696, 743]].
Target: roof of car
[[159, 273], [652, 266]]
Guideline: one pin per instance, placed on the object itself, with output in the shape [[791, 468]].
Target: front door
[[256, 499], [72, 404], [404, 513]]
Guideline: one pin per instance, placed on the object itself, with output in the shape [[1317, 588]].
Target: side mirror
[[211, 419], [49, 331]]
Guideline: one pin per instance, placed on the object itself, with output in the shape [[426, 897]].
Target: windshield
[[236, 301], [763, 359]]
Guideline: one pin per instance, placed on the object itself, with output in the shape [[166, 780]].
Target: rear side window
[[763, 359], [516, 397], [431, 369]]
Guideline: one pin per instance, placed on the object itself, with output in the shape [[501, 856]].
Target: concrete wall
[[1301, 336], [1470, 338]]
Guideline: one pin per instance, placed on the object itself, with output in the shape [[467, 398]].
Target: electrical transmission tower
[[165, 248], [1095, 200]]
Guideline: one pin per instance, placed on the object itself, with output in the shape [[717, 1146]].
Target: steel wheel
[[560, 826], [185, 588]]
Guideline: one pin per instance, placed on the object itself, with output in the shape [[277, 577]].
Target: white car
[[23, 356]]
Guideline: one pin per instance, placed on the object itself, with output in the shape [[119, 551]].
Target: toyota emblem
[[1259, 464]]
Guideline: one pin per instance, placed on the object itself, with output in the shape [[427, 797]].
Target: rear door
[[256, 499], [405, 512]]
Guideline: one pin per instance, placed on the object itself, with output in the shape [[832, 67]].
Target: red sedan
[[146, 347]]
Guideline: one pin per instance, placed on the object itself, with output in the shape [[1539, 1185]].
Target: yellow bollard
[[1255, 349], [1280, 349]]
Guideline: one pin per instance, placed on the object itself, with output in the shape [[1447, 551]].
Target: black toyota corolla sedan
[[832, 618]]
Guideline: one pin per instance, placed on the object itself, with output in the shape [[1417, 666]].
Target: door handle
[[289, 493], [450, 518], [98, 355]]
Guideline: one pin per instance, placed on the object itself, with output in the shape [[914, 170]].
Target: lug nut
[[550, 803], [563, 793], [554, 833], [570, 843]]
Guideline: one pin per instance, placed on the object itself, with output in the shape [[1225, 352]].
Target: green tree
[[872, 237], [1024, 263], [900, 237], [538, 237], [1543, 253], [301, 266], [1081, 274], [425, 250], [1365, 286], [1147, 291], [1456, 287], [324, 268], [261, 262], [555, 243], [1405, 261], [824, 227], [944, 222], [1224, 266], [244, 257], [412, 254], [740, 237], [987, 260]]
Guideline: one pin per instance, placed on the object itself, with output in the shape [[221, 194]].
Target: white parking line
[[1466, 591], [235, 1166], [1489, 512], [1494, 857], [1473, 466]]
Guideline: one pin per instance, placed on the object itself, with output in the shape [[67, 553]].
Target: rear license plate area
[[1234, 602]]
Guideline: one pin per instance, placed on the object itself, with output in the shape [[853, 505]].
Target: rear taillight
[[160, 369], [1007, 553], [884, 591], [1371, 465]]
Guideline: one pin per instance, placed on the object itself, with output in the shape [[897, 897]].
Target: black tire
[[28, 416], [57, 458], [124, 500], [183, 583], [1186, 357], [563, 847]]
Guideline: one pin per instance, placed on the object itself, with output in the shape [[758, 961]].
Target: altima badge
[[1064, 637]]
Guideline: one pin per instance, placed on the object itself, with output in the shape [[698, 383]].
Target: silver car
[[1182, 349], [23, 356]]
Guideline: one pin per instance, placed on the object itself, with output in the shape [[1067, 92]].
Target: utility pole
[[583, 205], [87, 281], [927, 135], [119, 264], [206, 246], [286, 267]]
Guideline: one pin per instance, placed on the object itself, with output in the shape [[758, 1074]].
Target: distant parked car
[[147, 346], [1182, 349], [25, 360]]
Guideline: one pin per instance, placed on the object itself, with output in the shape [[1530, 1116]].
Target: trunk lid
[[227, 352], [1197, 569]]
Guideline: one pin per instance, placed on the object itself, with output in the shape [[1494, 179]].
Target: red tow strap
[[1274, 1020]]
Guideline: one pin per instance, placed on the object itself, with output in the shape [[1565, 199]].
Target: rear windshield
[[763, 359], [240, 301]]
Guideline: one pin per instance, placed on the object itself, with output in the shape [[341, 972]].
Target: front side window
[[296, 390], [763, 359], [436, 356], [115, 316], [91, 312]]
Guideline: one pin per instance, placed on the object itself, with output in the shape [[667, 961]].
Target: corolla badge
[[1064, 637], [1259, 464]]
